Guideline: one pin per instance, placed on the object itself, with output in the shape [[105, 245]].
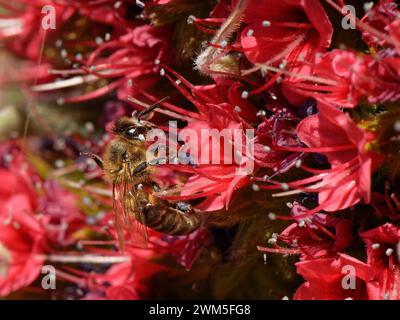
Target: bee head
[[132, 129]]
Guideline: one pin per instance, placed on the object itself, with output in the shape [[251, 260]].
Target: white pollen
[[261, 113], [59, 163], [162, 72], [190, 19], [266, 23], [60, 101], [140, 4], [271, 216], [255, 187], [107, 37], [245, 94], [283, 64], [250, 32], [396, 126], [301, 223], [63, 53], [368, 5], [298, 163], [89, 127], [223, 43], [117, 4], [237, 109], [16, 224], [7, 157], [285, 298], [178, 82], [284, 186], [389, 252], [386, 296], [59, 43], [141, 137], [86, 201], [375, 246]]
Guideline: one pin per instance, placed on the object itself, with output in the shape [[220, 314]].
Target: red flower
[[185, 249], [128, 280], [105, 12], [333, 134], [27, 236], [285, 30], [132, 61], [60, 214], [383, 249], [21, 235], [323, 236], [221, 107], [381, 17], [394, 32], [23, 25], [325, 279], [332, 81]]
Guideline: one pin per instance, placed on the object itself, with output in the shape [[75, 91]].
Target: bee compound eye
[[135, 133], [130, 132]]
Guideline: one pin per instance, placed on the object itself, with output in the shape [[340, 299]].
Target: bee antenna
[[151, 108]]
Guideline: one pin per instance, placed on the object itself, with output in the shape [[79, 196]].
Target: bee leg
[[143, 165], [140, 167], [93, 156]]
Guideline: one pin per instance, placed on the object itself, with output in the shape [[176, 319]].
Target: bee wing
[[118, 215], [128, 217], [135, 219]]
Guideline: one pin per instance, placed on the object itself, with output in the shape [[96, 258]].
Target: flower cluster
[[316, 186]]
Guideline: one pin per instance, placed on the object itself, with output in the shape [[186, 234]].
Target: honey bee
[[125, 165]]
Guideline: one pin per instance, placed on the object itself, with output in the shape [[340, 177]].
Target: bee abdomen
[[169, 220]]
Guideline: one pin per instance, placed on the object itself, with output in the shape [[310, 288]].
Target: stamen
[[302, 76], [88, 259]]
